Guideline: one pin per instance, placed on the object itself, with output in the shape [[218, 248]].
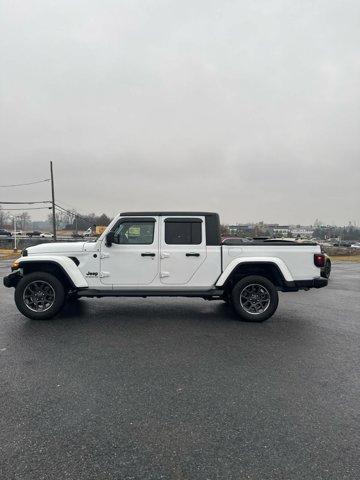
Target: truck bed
[[298, 257]]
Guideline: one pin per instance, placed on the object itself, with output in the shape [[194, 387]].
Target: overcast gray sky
[[250, 108]]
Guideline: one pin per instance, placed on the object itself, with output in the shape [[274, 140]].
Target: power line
[[24, 203], [59, 207], [64, 210], [26, 209], [71, 213], [24, 184], [68, 206], [75, 215]]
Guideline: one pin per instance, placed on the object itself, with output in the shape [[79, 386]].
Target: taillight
[[319, 260]]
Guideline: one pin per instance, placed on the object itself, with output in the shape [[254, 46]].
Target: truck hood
[[56, 248]]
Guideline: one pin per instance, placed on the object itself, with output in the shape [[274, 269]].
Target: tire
[[254, 298], [325, 273], [227, 299], [39, 296], [72, 298]]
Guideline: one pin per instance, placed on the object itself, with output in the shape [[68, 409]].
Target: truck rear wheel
[[39, 296], [325, 272], [254, 298]]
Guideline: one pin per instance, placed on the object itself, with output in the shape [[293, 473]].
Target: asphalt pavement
[[180, 389]]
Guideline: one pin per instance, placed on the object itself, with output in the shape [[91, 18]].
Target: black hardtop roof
[[169, 214]]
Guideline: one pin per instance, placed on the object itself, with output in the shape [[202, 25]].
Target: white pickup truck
[[143, 254]]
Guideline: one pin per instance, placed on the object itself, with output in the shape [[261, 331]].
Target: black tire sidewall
[[325, 272], [72, 298], [235, 298], [328, 268], [59, 295]]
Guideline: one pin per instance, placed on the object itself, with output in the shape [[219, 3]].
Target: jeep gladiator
[[142, 254]]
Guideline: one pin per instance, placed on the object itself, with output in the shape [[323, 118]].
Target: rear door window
[[183, 231]]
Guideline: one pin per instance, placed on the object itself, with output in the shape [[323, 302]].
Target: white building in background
[[302, 232], [281, 231]]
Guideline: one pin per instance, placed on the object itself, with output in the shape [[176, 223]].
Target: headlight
[[15, 265]]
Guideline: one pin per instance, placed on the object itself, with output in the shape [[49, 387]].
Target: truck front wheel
[[39, 296], [254, 298]]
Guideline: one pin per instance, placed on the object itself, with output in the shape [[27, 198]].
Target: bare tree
[[4, 216], [24, 220], [59, 219], [224, 230]]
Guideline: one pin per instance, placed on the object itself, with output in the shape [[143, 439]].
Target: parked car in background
[[88, 232], [355, 245], [343, 243], [77, 235], [35, 233], [46, 235], [17, 232], [4, 233]]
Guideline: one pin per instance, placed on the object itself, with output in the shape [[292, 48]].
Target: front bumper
[[12, 279]]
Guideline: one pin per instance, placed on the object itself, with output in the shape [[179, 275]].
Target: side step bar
[[208, 294]]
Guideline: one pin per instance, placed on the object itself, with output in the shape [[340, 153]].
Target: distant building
[[302, 232], [270, 227], [240, 229], [281, 231]]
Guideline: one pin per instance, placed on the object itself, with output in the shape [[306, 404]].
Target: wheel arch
[[275, 271], [63, 268]]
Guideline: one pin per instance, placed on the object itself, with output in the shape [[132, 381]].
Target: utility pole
[[15, 245], [53, 200]]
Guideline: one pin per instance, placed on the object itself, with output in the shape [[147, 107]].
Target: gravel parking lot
[[180, 389]]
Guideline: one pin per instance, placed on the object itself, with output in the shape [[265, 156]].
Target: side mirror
[[109, 239]]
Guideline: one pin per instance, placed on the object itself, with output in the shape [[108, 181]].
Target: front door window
[[134, 233]]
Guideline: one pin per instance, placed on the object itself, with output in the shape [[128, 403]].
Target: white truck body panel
[[64, 262], [170, 268], [238, 261], [124, 265], [176, 268], [58, 248], [295, 262]]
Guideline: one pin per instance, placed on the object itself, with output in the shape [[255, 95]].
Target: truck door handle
[[148, 254], [192, 254]]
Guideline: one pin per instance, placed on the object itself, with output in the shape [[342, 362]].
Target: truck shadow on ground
[[90, 310], [163, 323], [116, 314]]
